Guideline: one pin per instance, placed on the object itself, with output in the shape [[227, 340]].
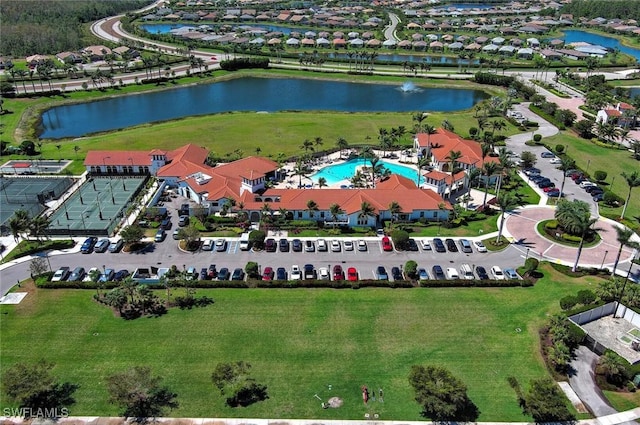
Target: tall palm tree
[[633, 180], [489, 169], [317, 142], [422, 162], [485, 150], [394, 210], [419, 117], [566, 164], [322, 182], [474, 173], [452, 158], [301, 171], [342, 144], [373, 160], [624, 237], [506, 164], [39, 226], [506, 202], [265, 212], [335, 211], [575, 218], [429, 130], [312, 207], [366, 210], [307, 145]]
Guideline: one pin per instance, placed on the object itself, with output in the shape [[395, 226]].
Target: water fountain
[[409, 87]]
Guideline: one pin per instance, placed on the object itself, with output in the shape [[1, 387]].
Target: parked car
[[555, 160], [309, 271], [61, 274], [281, 273], [546, 183], [338, 273], [221, 245], [270, 245], [480, 246], [352, 274], [267, 273], [296, 273], [482, 273], [166, 224], [335, 246], [412, 245], [586, 183], [547, 154], [160, 235], [191, 273], [554, 193], [426, 245], [238, 274], [106, 276], [92, 275], [204, 273], [77, 274], [362, 245], [88, 245], [451, 245], [309, 246], [183, 220], [207, 245], [438, 273], [599, 197], [348, 245], [322, 245], [531, 171], [176, 234], [212, 272], [497, 273], [102, 245], [439, 245], [422, 274], [381, 273], [466, 272], [323, 273], [396, 273], [465, 246], [296, 245], [120, 275], [386, 244], [549, 188], [116, 246], [223, 274], [511, 274], [452, 273], [283, 245]]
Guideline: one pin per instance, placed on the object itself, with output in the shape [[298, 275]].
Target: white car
[[207, 245], [348, 245], [335, 246], [480, 246], [555, 160], [452, 273], [323, 273], [296, 273], [362, 245], [426, 245], [93, 271], [587, 183], [497, 273]]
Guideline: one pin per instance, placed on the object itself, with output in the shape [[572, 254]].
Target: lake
[[249, 94], [572, 36]]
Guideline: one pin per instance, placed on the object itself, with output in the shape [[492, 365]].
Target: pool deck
[[291, 181]]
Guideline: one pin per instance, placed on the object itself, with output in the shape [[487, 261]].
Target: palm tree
[[489, 169], [566, 164], [422, 162], [633, 180], [373, 160], [624, 237], [504, 158], [265, 212], [307, 145], [300, 170], [39, 226], [506, 202], [258, 150], [342, 144], [366, 210], [453, 158], [575, 218], [317, 142], [429, 129], [474, 173], [312, 207], [335, 211], [322, 182], [419, 117], [498, 125], [394, 210]]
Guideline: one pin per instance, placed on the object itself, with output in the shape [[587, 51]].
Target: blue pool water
[[345, 170], [572, 36], [162, 28], [466, 6], [165, 28]]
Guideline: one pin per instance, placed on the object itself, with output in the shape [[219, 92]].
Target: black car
[[88, 244], [381, 273], [396, 273], [599, 197], [204, 274], [296, 245], [412, 245], [120, 275], [546, 183], [166, 224], [451, 245], [531, 171], [309, 271], [223, 274], [438, 273], [284, 245], [439, 245], [591, 189], [536, 178], [481, 272], [238, 274], [270, 245], [281, 273]]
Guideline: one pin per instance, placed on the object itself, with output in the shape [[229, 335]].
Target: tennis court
[[29, 194], [96, 207], [38, 166]]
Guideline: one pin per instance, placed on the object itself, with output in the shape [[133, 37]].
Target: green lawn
[[299, 342]]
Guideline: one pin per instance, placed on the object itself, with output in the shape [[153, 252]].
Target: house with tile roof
[[623, 115]]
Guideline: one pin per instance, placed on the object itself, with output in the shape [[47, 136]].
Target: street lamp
[[604, 258], [526, 257]]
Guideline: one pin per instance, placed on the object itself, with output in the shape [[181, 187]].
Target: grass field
[[299, 342]]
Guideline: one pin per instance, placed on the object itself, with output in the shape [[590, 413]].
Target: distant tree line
[[53, 26], [608, 9]]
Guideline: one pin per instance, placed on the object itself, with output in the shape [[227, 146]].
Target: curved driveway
[[390, 30]]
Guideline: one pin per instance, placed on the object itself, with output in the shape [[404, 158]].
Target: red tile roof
[[612, 112], [123, 158], [444, 141]]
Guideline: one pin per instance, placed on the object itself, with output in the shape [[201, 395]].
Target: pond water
[[345, 170], [466, 6], [572, 36], [165, 28], [249, 94]]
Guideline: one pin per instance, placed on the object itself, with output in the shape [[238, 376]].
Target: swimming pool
[[345, 170]]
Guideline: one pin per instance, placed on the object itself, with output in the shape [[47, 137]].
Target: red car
[[352, 274], [267, 274], [386, 244], [550, 188], [338, 274]]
